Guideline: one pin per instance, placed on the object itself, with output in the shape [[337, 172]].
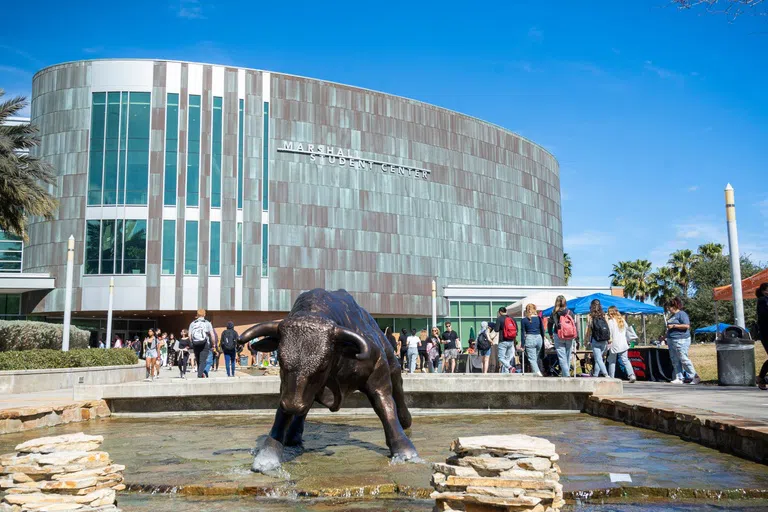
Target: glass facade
[[11, 251], [116, 246], [216, 147], [264, 250], [466, 316], [239, 251], [193, 151], [10, 306], [171, 149], [265, 161], [190, 248], [240, 145], [214, 265], [169, 247], [118, 170]]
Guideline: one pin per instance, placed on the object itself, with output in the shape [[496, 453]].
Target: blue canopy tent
[[580, 306], [712, 329]]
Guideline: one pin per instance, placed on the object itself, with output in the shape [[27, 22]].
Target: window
[[11, 250], [265, 161], [216, 153], [264, 250], [190, 248], [239, 250], [118, 171], [171, 149], [240, 138], [193, 152], [10, 305], [214, 265], [169, 247], [116, 246]]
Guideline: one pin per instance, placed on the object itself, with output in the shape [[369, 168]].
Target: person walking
[[484, 346], [619, 346], [414, 343], [507, 329], [183, 346], [762, 331], [451, 348], [172, 352], [228, 346], [137, 346], [679, 341], [215, 355], [150, 354], [391, 338], [423, 351], [403, 347], [202, 336], [118, 342], [599, 335], [533, 337], [164, 350], [435, 352], [562, 330]]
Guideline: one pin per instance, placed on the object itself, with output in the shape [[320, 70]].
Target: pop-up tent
[[711, 328], [748, 287], [580, 306], [542, 300]]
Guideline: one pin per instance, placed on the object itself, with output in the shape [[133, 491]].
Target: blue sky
[[649, 110]]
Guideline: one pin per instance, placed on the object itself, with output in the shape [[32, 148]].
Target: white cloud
[[693, 188], [616, 51], [535, 34], [588, 239], [663, 73], [190, 9]]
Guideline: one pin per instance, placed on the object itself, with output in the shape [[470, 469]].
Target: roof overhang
[[14, 282]]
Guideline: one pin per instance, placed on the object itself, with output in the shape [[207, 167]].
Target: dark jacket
[[226, 333], [762, 318]]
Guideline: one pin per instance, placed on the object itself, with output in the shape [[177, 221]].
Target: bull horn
[[347, 336], [268, 329]]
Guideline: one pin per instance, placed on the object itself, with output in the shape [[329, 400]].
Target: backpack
[[198, 332], [228, 341], [483, 343], [566, 330], [510, 328], [600, 330]]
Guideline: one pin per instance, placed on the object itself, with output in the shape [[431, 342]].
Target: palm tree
[[568, 267], [664, 287], [710, 251], [621, 274], [639, 284], [22, 176], [682, 262]]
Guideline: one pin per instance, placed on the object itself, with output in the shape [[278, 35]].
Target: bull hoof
[[405, 454], [269, 458]]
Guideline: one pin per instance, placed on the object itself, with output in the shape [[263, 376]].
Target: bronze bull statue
[[329, 347]]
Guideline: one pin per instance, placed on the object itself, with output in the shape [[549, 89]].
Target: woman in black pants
[[762, 330], [182, 356]]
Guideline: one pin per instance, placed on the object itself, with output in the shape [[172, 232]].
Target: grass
[[704, 358]]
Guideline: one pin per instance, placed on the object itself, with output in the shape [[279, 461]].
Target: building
[[231, 189]]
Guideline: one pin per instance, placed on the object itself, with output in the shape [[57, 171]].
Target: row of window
[[11, 251], [118, 171]]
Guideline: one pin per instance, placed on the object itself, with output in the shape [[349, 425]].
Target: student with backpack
[[203, 337], [228, 346], [484, 346], [562, 330], [599, 335], [507, 329]]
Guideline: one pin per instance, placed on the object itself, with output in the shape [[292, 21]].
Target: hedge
[[79, 358], [26, 335]]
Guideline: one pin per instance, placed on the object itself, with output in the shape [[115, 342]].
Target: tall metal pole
[[108, 344], [434, 304], [733, 249], [68, 293]]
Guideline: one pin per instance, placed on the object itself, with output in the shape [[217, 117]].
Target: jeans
[[564, 351], [623, 359], [229, 363], [533, 343], [506, 355], [216, 356], [201, 356], [208, 362], [413, 354], [678, 352], [598, 349], [182, 359]]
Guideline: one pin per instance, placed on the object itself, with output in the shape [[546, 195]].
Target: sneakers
[[538, 374], [696, 380], [761, 383], [676, 381], [632, 379]]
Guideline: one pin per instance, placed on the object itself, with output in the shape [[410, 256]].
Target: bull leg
[[399, 445], [403, 414], [295, 432], [271, 453]]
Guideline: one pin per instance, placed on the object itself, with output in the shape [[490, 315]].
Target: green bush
[[26, 335], [79, 358]]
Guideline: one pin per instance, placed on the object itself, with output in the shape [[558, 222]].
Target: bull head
[[351, 343]]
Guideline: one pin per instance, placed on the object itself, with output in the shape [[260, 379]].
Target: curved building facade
[[231, 189]]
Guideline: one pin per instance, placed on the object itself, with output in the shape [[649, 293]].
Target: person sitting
[[472, 347]]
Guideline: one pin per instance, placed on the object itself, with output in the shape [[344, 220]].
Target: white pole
[[434, 304], [68, 293], [108, 344], [733, 249]]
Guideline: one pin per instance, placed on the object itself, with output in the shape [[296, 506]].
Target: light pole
[[68, 293], [108, 344], [733, 249], [434, 304]]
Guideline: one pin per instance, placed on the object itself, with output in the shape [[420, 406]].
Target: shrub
[[26, 335], [79, 358]]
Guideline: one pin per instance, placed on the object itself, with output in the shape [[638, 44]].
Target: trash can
[[243, 360], [735, 358]]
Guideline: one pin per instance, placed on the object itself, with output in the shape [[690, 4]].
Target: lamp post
[[68, 293], [733, 249], [108, 344], [434, 304]]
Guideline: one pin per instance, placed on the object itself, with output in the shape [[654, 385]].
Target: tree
[[681, 262], [664, 286], [568, 267], [639, 283], [710, 251], [730, 8], [23, 176], [621, 274]]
